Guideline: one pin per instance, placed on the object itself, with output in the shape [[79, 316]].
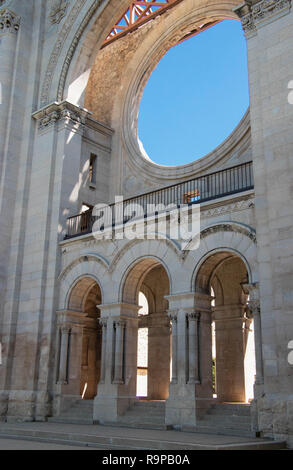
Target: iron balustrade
[[205, 188]]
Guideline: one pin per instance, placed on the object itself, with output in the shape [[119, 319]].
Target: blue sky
[[196, 96]]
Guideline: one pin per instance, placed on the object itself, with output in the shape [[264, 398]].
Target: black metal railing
[[205, 188]]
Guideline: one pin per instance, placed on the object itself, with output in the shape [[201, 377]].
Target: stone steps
[[79, 413], [225, 418], [79, 436], [145, 414]]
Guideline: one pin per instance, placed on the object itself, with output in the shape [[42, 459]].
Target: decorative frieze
[[9, 22], [227, 208], [254, 14], [65, 111]]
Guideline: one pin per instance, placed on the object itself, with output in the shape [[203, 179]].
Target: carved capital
[[103, 322], [254, 14], [9, 22], [120, 323], [58, 10], [193, 316], [64, 111], [173, 316]]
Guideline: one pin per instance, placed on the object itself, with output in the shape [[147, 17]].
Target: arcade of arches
[[180, 346]]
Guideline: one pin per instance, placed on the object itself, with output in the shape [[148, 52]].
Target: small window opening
[[93, 169]]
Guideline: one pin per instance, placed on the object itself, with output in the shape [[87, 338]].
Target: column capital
[[9, 22], [63, 111], [172, 314], [193, 316], [103, 322], [256, 13], [120, 322]]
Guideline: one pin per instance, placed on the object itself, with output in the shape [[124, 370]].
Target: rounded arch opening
[[198, 90], [86, 343], [147, 281], [116, 83], [223, 275]]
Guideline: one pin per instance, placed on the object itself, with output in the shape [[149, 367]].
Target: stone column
[[173, 318], [158, 356], [103, 323], [119, 351], [64, 355], [117, 391], [254, 307], [193, 347], [9, 26]]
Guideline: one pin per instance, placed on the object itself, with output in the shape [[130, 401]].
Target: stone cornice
[[9, 22], [254, 14], [65, 111]]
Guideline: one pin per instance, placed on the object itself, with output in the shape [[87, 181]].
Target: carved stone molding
[[254, 14], [65, 111], [58, 10], [228, 228], [9, 22], [223, 209], [66, 28]]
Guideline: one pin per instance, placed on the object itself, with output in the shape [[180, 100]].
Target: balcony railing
[[205, 188]]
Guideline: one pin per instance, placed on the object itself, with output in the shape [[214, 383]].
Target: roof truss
[[137, 14]]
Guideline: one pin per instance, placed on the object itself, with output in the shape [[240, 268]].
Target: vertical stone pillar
[[254, 307], [173, 318], [9, 26], [117, 389], [230, 340], [64, 355], [158, 356], [103, 323], [193, 347], [191, 385], [119, 351]]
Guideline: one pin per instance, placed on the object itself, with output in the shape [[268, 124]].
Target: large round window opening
[[195, 97]]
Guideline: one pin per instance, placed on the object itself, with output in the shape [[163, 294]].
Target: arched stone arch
[[91, 267], [157, 252], [84, 30], [229, 237]]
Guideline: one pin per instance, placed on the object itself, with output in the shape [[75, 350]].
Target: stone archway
[[224, 275], [150, 277], [80, 327]]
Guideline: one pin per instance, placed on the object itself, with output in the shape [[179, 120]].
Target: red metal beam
[[137, 14]]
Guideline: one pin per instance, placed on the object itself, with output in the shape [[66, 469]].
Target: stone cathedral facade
[[69, 308]]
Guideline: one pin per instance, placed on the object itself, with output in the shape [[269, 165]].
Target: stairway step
[[70, 420], [140, 425], [224, 419], [225, 431]]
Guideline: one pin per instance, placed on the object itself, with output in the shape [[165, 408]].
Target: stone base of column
[[108, 408], [181, 406], [23, 406], [185, 406]]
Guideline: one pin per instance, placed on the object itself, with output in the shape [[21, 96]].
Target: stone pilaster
[[120, 326], [173, 318], [193, 347], [64, 355], [103, 323], [255, 313]]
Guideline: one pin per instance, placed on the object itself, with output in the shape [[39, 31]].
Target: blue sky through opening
[[196, 96]]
